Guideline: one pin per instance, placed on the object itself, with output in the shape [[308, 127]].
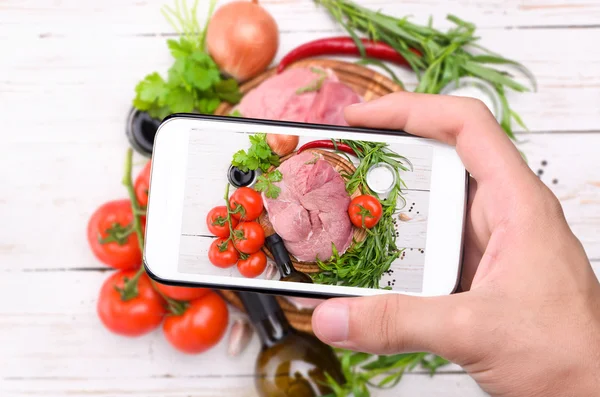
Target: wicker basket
[[367, 83]]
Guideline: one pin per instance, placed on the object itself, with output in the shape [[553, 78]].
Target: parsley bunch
[[259, 155], [193, 81]]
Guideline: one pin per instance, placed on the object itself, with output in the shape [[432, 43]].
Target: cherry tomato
[[367, 207], [142, 185], [200, 327], [181, 293], [254, 265], [251, 239], [132, 317], [222, 255], [250, 201], [216, 220], [109, 238]]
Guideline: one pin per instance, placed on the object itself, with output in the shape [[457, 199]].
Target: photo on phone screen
[[349, 212]]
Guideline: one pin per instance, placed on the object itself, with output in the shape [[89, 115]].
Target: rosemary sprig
[[445, 56], [365, 262], [363, 370]]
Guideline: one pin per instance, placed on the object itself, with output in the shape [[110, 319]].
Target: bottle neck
[[267, 317]]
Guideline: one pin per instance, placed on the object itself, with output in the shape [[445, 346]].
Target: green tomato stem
[[130, 290]]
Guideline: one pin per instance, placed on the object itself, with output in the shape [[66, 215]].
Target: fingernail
[[330, 322]]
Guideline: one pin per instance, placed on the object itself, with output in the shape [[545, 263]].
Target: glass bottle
[[283, 261], [290, 363]]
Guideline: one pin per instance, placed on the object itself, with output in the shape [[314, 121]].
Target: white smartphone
[[340, 211]]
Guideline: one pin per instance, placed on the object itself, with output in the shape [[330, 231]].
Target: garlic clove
[[239, 337], [271, 272], [304, 303], [404, 217]]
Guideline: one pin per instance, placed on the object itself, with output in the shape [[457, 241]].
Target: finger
[[465, 123], [395, 323]]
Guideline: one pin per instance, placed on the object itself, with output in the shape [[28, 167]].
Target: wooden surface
[[67, 73]]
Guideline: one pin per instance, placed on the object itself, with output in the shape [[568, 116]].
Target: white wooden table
[[67, 73]]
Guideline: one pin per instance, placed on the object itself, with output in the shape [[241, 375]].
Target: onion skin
[[242, 38], [282, 145]]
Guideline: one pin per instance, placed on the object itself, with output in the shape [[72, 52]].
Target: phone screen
[[339, 211]]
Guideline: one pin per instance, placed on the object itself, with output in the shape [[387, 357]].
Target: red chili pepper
[[327, 144], [344, 46]]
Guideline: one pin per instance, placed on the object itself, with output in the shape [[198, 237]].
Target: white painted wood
[[83, 95], [239, 386], [57, 346], [130, 17], [68, 72]]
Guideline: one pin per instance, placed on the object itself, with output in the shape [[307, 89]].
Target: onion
[[242, 38], [282, 144]]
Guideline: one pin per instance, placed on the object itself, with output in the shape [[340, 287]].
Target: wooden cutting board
[[367, 83]]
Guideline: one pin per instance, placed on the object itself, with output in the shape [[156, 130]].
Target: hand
[[528, 323]]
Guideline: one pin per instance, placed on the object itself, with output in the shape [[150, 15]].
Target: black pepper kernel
[[417, 212], [544, 163], [540, 172], [555, 181]]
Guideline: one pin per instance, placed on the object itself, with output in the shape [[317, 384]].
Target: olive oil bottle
[[290, 363]]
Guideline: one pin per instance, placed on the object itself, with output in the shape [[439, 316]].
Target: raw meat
[[277, 98], [310, 213], [328, 106]]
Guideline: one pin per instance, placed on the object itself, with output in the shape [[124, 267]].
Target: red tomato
[[200, 327], [181, 293], [249, 200], [253, 266], [216, 220], [365, 207], [252, 238], [142, 184], [107, 235], [133, 317], [222, 255]]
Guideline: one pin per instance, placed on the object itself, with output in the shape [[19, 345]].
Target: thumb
[[394, 323]]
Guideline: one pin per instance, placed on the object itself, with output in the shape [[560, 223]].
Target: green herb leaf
[[180, 48], [266, 183], [445, 56], [194, 81], [180, 100], [258, 155]]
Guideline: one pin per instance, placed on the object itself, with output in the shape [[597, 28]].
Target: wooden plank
[[81, 94], [48, 202], [76, 18], [242, 386], [58, 335]]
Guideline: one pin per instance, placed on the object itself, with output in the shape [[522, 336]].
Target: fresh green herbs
[[365, 262], [193, 82], [314, 85], [362, 370], [259, 155], [236, 113], [442, 57], [266, 183]]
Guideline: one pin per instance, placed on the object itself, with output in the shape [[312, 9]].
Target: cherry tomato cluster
[[130, 303], [239, 237]]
